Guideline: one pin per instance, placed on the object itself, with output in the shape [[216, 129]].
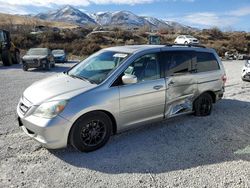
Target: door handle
[[158, 87], [171, 83]]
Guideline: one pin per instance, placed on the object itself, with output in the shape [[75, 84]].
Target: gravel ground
[[185, 151]]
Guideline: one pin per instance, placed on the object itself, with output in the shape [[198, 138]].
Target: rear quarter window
[[206, 62]]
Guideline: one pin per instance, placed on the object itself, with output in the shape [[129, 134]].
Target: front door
[[144, 100]]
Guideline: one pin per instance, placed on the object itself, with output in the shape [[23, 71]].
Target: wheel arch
[[109, 114], [211, 93]]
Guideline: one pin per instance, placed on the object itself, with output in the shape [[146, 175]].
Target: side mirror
[[129, 79]]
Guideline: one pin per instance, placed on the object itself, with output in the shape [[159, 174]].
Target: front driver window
[[145, 68]]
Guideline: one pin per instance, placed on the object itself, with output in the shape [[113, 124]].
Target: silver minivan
[[119, 88]]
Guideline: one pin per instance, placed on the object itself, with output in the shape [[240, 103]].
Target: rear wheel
[[203, 105], [16, 57], [6, 58], [91, 131], [48, 66], [53, 64]]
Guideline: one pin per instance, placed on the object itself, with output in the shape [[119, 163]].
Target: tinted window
[[145, 68], [206, 62], [178, 62]]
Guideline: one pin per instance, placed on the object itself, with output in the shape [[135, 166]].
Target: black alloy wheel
[[91, 131], [203, 105]]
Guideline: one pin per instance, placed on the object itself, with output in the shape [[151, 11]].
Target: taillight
[[224, 78]]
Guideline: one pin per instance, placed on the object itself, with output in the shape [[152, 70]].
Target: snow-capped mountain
[[67, 14], [123, 19], [119, 18], [102, 18], [157, 23]]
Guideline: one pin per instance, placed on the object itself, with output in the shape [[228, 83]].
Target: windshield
[[97, 67], [57, 52], [38, 51], [189, 36]]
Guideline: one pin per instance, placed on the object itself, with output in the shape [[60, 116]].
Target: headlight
[[50, 109]]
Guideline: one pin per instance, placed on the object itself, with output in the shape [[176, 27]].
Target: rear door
[[181, 85], [209, 75]]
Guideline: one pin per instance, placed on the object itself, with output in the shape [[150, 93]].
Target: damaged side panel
[[180, 94]]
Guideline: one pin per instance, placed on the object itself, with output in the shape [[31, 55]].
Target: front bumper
[[51, 133], [35, 63]]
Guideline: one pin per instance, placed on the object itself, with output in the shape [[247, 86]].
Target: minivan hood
[[55, 86], [29, 57]]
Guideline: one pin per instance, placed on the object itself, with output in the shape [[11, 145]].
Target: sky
[[225, 14]]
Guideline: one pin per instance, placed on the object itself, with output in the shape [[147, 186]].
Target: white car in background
[[186, 39], [245, 76]]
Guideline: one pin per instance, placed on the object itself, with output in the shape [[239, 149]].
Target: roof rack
[[187, 45]]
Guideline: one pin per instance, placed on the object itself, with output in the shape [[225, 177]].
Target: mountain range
[[124, 19]]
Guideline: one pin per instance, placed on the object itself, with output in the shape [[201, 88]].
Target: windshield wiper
[[82, 78]]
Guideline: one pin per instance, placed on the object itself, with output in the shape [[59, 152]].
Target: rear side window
[[178, 62], [206, 62]]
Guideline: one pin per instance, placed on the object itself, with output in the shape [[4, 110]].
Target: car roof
[[134, 48], [138, 48]]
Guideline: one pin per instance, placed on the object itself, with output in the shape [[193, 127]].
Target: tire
[[48, 66], [186, 43], [84, 135], [53, 65], [6, 58], [25, 68], [16, 57], [203, 105]]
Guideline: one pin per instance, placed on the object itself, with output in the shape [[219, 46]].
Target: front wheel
[[91, 131], [203, 105], [25, 67], [6, 58]]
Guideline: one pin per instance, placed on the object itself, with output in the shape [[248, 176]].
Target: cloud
[[244, 11], [209, 19], [48, 3]]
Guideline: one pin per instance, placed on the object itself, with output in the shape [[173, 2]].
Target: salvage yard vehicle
[[231, 55], [245, 76], [154, 39], [38, 58], [9, 53], [186, 39], [119, 88], [60, 56]]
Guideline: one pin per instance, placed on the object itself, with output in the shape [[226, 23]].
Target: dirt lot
[[185, 152]]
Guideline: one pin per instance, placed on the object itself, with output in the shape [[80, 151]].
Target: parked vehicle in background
[[9, 53], [243, 57], [231, 55], [186, 39], [154, 39], [245, 76], [60, 56], [38, 58], [118, 88]]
